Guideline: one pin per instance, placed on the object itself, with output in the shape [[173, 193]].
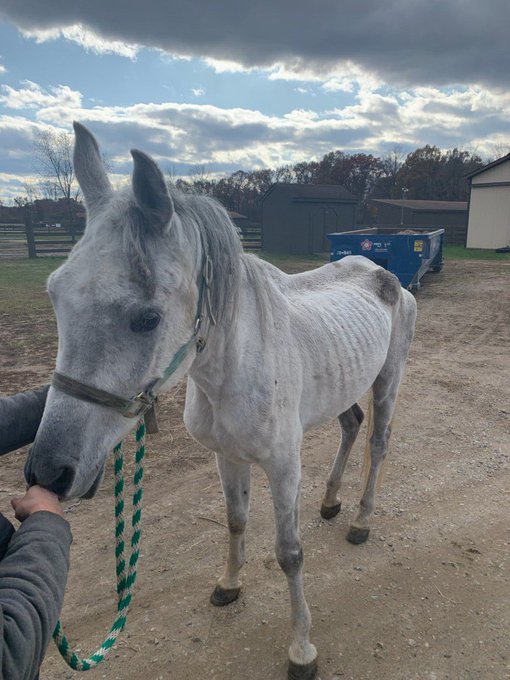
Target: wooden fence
[[251, 237], [17, 239]]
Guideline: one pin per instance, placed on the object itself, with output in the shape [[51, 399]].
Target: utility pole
[[404, 194], [29, 231]]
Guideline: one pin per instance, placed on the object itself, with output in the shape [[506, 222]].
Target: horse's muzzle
[[59, 480]]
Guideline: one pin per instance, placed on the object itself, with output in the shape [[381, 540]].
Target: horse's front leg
[[235, 479], [284, 478]]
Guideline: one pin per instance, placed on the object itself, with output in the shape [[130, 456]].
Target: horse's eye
[[146, 321]]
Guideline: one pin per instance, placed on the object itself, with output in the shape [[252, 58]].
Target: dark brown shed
[[297, 217]]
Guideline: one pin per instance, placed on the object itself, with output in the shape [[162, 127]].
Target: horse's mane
[[202, 222], [220, 237]]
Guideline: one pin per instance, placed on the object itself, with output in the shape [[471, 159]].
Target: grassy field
[[461, 253], [23, 284], [27, 323]]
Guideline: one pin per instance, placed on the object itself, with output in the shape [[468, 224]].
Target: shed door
[[330, 223]]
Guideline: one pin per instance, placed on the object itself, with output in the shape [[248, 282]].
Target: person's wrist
[[52, 511], [55, 510]]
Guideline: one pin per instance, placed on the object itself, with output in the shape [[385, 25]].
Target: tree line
[[426, 173]]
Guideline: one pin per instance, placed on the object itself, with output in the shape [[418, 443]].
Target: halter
[[144, 403]]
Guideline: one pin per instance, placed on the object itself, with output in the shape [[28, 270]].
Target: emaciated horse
[[159, 280]]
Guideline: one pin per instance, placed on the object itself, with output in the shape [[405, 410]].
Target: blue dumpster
[[407, 253]]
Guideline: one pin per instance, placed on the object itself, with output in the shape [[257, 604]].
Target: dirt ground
[[428, 597]]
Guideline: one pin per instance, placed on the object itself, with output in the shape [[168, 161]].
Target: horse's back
[[355, 271]]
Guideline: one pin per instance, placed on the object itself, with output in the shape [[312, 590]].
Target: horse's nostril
[[64, 481]]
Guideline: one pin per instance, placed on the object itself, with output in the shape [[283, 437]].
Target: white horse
[[160, 276]]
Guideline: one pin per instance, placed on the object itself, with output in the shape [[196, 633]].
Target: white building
[[489, 206]]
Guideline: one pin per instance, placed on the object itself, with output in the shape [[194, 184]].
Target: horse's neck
[[241, 326]]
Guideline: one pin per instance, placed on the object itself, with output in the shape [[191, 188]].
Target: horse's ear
[[150, 190], [89, 168]]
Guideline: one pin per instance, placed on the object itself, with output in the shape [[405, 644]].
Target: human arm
[[33, 576], [6, 532], [20, 416]]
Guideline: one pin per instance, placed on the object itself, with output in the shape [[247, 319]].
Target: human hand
[[36, 499]]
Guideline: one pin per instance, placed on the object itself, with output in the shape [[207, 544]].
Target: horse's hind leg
[[384, 397], [382, 415], [235, 479], [350, 422]]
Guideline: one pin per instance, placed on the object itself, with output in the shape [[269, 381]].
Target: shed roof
[[450, 206], [312, 191], [503, 159]]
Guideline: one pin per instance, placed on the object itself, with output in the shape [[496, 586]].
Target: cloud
[[32, 96], [87, 39], [198, 91], [225, 65], [181, 136], [401, 42]]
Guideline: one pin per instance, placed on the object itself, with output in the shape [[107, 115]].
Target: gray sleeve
[[33, 576], [20, 416]]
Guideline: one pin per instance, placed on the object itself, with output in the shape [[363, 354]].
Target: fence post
[[29, 230]]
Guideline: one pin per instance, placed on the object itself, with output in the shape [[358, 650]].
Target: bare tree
[[171, 174], [498, 150], [54, 151], [31, 191], [283, 174], [49, 189]]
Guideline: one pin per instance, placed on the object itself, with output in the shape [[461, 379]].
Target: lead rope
[[125, 581]]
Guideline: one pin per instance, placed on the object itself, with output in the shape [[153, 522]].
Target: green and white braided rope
[[125, 580]]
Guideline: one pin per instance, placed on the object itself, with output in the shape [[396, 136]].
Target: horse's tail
[[367, 458]]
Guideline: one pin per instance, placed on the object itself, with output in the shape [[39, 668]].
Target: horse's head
[[125, 301]]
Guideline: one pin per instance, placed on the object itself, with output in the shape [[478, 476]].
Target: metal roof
[[456, 206], [312, 191], [503, 159]]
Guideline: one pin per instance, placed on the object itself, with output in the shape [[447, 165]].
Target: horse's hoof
[[357, 535], [223, 596], [328, 512], [306, 672]]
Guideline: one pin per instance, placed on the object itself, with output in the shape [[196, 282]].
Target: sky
[[214, 87]]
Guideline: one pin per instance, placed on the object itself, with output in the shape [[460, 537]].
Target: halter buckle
[[139, 405], [201, 343]]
